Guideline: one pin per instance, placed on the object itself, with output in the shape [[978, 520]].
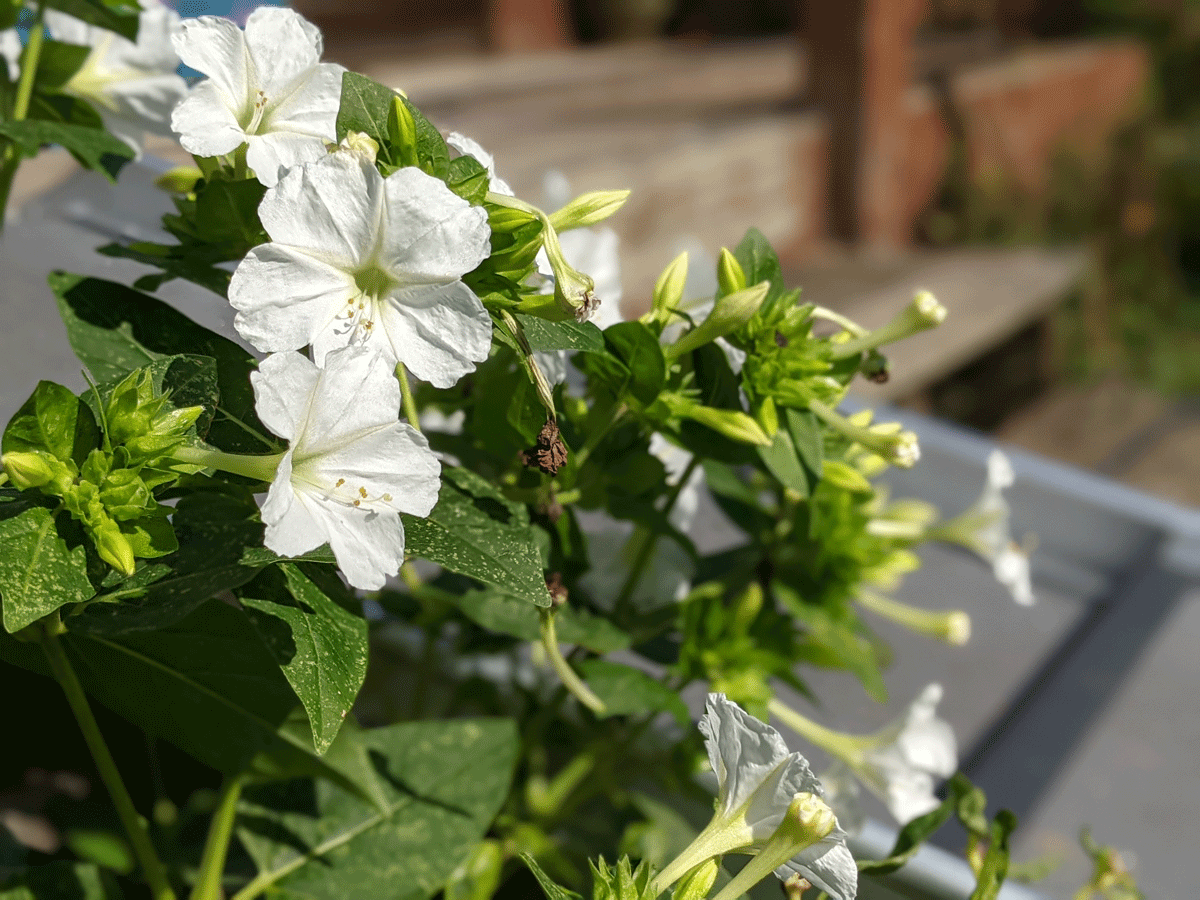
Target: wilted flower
[[765, 794], [351, 466], [357, 259], [133, 86], [267, 88]]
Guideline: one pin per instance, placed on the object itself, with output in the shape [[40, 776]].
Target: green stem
[[649, 539], [20, 109], [952, 626], [216, 847], [406, 397], [135, 825], [566, 674], [846, 747], [593, 441], [260, 468]]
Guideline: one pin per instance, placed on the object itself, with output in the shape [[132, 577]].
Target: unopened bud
[[733, 424], [808, 820], [361, 146], [33, 469], [730, 275], [768, 417], [729, 313], [923, 313], [113, 546], [696, 884], [588, 209], [668, 290], [402, 132], [179, 180], [746, 607]]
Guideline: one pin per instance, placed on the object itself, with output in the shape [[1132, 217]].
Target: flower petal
[[330, 208], [743, 751], [286, 298], [439, 331], [827, 865], [282, 46], [205, 124], [369, 546], [359, 394], [216, 47], [394, 461], [283, 388], [430, 233], [292, 527]]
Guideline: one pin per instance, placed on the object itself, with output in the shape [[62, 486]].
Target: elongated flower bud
[[729, 313]]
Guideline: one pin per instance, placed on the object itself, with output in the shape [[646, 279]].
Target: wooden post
[[516, 26], [860, 67]]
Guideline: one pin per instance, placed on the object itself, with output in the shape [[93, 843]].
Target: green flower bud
[[179, 180], [733, 424], [125, 496], [588, 209], [113, 546], [696, 884], [746, 607], [808, 820], [730, 275], [96, 467], [668, 290], [402, 132], [35, 469], [729, 313], [768, 417]]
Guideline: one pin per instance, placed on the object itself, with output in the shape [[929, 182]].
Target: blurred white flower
[[10, 49], [267, 88], [351, 466], [758, 782], [984, 529], [133, 86], [461, 145], [359, 259]]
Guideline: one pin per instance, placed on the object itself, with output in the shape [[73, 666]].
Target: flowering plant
[[443, 467]]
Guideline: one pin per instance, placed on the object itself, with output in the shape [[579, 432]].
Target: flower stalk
[[407, 399], [260, 468], [562, 668], [952, 626], [20, 108], [134, 824], [923, 313], [216, 846], [900, 448]]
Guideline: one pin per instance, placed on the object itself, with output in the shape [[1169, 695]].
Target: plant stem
[[648, 539], [29, 65], [406, 397], [135, 825], [260, 467], [216, 846], [566, 674]]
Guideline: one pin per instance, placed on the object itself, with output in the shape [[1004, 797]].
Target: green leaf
[[760, 263], [552, 890], [58, 62], [468, 178], [474, 530], [635, 363], [832, 642], [43, 565], [320, 645], [442, 782], [782, 461], [53, 420], [543, 334], [113, 15], [365, 107], [805, 432], [506, 615], [60, 880], [627, 691], [114, 329], [227, 214], [176, 261], [93, 148], [715, 379]]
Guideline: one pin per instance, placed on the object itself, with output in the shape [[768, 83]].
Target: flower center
[[373, 282], [256, 113]]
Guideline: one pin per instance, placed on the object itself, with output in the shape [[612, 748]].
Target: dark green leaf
[[635, 364], [543, 334], [516, 618], [552, 890], [475, 531], [468, 178], [94, 148], [227, 214], [60, 880], [442, 783], [911, 837], [43, 565], [319, 644], [58, 62], [782, 461], [715, 379], [760, 263], [54, 421], [365, 107], [628, 691], [113, 15], [176, 261], [114, 330], [805, 432]]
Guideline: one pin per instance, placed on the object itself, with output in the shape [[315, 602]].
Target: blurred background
[[1032, 162]]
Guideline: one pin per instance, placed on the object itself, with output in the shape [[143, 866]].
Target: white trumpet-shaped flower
[[900, 764], [266, 88], [357, 259], [351, 466], [984, 528], [758, 782], [133, 86]]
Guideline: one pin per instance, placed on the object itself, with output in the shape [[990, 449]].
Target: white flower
[[133, 86], [757, 778], [266, 88], [901, 763], [359, 259], [351, 466], [10, 49], [461, 145], [984, 528]]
